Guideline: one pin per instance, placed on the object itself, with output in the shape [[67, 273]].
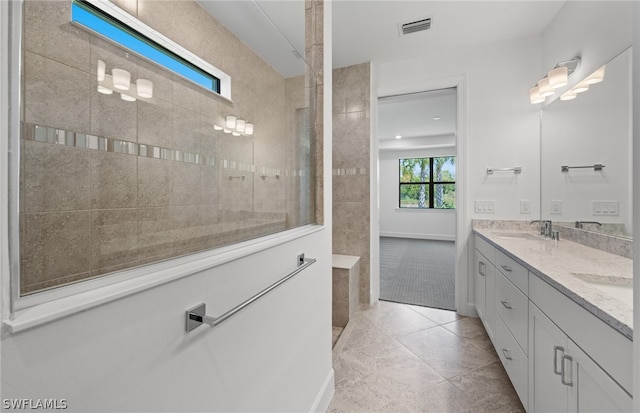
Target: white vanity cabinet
[[559, 356], [485, 276], [563, 378]]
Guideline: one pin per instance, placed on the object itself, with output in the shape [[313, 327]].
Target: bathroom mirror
[[586, 167]]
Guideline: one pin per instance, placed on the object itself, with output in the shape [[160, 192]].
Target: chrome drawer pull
[[506, 304], [562, 377], [482, 268], [505, 352], [506, 268], [555, 359]]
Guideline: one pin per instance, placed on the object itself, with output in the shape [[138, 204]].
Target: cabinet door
[[490, 300], [547, 346], [480, 284], [593, 390]]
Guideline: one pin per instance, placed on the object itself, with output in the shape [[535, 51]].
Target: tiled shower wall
[[86, 211], [351, 157]]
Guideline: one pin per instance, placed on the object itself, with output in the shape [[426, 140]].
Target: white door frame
[[463, 229]]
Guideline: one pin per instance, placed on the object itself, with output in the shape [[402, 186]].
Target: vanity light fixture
[[596, 77], [568, 95], [558, 77], [398, 136], [120, 81], [235, 126], [581, 87], [554, 79]]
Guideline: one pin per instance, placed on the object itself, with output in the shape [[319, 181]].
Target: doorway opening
[[417, 135]]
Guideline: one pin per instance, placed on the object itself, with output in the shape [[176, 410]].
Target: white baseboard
[[321, 404], [438, 237]]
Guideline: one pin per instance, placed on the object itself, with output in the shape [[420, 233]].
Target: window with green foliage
[[428, 183]]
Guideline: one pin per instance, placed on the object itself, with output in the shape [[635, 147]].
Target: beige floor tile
[[471, 328], [490, 387], [378, 370], [436, 315], [447, 353], [400, 320]]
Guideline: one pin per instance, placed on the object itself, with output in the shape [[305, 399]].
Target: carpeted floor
[[419, 272]]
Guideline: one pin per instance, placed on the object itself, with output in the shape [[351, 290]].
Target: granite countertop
[[599, 281]]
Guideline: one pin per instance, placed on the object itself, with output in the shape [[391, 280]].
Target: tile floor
[[402, 358]]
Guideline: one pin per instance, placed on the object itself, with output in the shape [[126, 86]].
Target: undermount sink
[[518, 235], [619, 288]]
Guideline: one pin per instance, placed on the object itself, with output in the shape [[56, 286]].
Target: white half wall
[[437, 224]]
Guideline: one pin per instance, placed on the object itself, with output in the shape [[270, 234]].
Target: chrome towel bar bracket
[[196, 316]]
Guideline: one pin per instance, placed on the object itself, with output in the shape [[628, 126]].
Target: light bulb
[[240, 125], [534, 95], [558, 77], [544, 88], [145, 88], [595, 77], [102, 69], [104, 90], [121, 79], [580, 87]]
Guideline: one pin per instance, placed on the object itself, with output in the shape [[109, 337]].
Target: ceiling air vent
[[415, 26]]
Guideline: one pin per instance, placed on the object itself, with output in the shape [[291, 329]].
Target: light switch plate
[[525, 206], [605, 208], [485, 207], [556, 207]]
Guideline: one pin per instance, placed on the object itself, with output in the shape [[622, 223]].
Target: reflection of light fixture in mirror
[[544, 88], [226, 130], [102, 70], [398, 136], [231, 122], [248, 129], [144, 88], [580, 87], [217, 127], [568, 95], [235, 133], [534, 95], [558, 77], [121, 79], [240, 125], [127, 98], [595, 77]]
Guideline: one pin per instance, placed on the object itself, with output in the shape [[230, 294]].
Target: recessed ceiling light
[[398, 136], [436, 118]]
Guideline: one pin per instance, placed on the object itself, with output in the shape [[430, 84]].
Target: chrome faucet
[[579, 224], [546, 227]]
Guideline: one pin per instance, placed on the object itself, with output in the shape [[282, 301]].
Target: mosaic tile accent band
[[56, 136]]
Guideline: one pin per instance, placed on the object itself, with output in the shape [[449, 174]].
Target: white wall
[[439, 224], [636, 210], [133, 355], [501, 128], [594, 30]]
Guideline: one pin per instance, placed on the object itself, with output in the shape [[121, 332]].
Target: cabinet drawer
[[513, 307], [485, 249], [513, 359], [514, 272]]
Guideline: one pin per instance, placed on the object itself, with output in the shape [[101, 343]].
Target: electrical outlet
[[605, 208], [525, 206], [485, 207], [556, 207]]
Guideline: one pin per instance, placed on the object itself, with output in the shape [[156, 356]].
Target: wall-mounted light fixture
[[554, 79], [120, 81], [235, 126]]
